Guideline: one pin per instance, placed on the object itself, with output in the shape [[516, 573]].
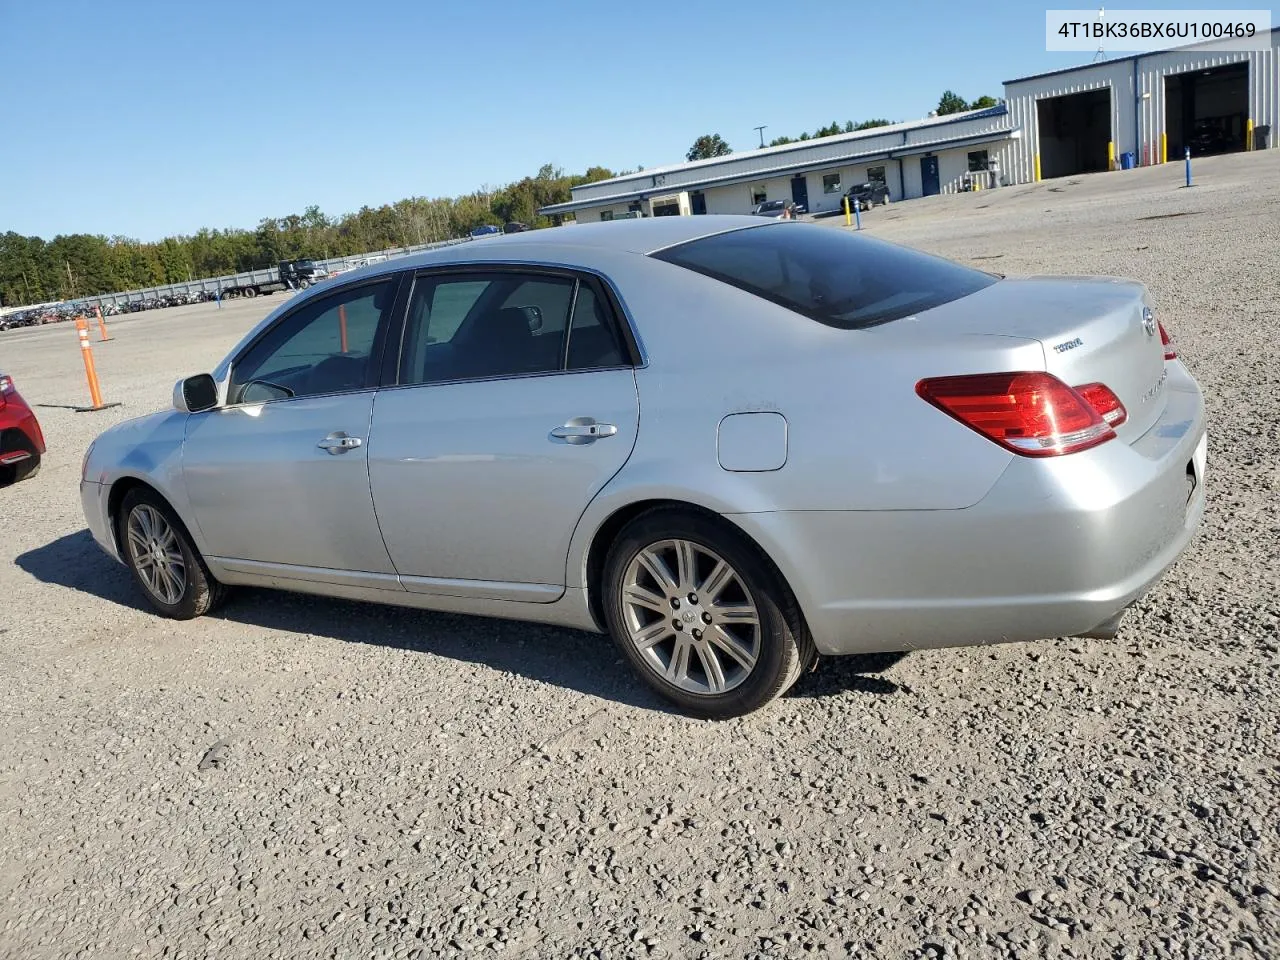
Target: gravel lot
[[386, 783]]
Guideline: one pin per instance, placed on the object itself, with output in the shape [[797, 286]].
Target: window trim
[[633, 356], [377, 352]]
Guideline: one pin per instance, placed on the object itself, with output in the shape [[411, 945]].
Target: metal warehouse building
[[1131, 111]]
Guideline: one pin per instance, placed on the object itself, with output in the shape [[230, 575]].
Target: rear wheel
[[162, 558], [701, 616], [250, 291]]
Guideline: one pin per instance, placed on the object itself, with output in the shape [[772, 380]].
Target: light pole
[[760, 130]]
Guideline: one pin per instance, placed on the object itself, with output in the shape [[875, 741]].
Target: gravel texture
[[301, 777]]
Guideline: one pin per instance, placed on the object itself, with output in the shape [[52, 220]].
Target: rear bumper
[[1057, 547], [18, 416]]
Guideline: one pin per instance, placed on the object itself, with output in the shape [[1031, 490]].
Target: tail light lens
[[1033, 414], [6, 388], [1108, 405], [1170, 351]]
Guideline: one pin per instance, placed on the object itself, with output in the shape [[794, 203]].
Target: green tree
[[708, 145], [871, 124], [951, 102], [983, 102]]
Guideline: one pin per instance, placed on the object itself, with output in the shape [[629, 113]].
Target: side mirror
[[194, 394]]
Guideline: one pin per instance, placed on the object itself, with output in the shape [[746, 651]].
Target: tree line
[[34, 270]]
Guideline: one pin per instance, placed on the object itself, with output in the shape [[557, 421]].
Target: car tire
[[194, 592], [756, 644]]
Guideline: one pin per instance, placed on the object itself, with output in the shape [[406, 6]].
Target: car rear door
[[515, 403]]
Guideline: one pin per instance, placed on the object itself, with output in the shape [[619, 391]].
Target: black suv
[[868, 194]]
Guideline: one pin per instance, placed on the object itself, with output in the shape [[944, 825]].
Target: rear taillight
[[1034, 414], [6, 388], [1170, 351], [1105, 402]]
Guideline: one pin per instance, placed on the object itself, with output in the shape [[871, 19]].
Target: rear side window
[[829, 274]]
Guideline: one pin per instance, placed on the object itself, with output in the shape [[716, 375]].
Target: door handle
[[336, 443], [583, 430]]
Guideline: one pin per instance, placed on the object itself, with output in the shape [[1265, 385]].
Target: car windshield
[[829, 274]]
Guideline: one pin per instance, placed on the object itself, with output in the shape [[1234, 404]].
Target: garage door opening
[[1074, 133], [1206, 110]]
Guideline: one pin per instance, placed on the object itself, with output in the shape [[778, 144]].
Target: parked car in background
[[488, 230], [732, 445], [515, 226], [21, 440], [868, 194], [778, 208], [1208, 137]]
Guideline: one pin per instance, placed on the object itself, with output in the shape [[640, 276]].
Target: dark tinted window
[[472, 326], [829, 274], [593, 342], [325, 346]]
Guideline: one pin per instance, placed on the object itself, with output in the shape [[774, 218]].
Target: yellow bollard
[[1111, 154], [1037, 166], [1248, 134], [847, 221], [1164, 147]]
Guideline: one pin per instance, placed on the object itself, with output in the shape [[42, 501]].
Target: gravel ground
[[301, 777]]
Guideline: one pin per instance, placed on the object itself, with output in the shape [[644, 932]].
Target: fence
[[266, 275]]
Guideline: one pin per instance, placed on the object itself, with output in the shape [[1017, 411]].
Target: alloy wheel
[[157, 554], [690, 616]]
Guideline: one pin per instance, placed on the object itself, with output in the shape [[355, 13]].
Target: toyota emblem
[[1148, 321]]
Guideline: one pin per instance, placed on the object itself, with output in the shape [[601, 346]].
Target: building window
[[759, 195], [831, 183], [606, 214], [977, 161], [875, 174]]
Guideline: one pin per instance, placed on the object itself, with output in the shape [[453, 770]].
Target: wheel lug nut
[[697, 634], [675, 603], [693, 598], [677, 624], [706, 618]]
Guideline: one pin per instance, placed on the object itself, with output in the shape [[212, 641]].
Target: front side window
[[473, 326], [325, 346], [836, 277], [831, 183]]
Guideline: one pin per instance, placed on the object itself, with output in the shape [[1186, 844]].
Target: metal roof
[[800, 145], [883, 153], [1129, 59]]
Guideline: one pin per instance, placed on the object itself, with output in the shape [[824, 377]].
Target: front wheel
[[701, 616], [162, 558]]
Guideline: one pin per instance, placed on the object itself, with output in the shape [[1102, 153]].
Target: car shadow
[[586, 662]]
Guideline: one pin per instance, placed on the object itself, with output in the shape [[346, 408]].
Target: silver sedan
[[732, 445]]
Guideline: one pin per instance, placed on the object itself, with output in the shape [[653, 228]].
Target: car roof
[[570, 243]]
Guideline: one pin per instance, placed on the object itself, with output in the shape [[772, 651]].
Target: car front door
[[515, 404], [278, 476]]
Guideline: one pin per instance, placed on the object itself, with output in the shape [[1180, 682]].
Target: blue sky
[[148, 118]]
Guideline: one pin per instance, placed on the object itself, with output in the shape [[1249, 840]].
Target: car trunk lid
[[1092, 330]]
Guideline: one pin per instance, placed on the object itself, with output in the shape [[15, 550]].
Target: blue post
[[1188, 166], [857, 213], [219, 296]]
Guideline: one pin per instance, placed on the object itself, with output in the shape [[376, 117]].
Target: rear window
[[828, 274]]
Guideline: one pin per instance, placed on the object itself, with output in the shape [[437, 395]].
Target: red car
[[21, 442]]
